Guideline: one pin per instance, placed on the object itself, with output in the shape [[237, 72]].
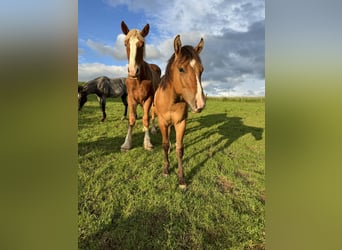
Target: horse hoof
[[182, 186], [123, 118], [125, 148], [153, 131], [166, 174], [149, 148]]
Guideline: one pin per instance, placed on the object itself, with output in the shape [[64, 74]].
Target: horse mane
[[187, 54]]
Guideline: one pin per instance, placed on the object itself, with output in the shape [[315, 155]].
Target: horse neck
[[89, 88], [145, 72], [171, 94], [92, 87]]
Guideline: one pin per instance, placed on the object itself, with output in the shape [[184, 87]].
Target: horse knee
[[132, 119], [166, 146], [180, 151]]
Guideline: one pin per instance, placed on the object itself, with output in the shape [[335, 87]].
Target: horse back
[[156, 74], [117, 87]]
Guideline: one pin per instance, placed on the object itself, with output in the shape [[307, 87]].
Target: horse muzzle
[[133, 72], [196, 108], [199, 104]]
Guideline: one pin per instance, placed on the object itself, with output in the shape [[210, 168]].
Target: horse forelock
[[134, 33]]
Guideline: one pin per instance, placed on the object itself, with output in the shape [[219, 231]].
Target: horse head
[[82, 97], [135, 47], [186, 69]]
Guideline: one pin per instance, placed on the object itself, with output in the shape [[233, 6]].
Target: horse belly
[[116, 92]]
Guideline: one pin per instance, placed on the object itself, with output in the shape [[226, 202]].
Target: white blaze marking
[[199, 89], [199, 99], [132, 53]]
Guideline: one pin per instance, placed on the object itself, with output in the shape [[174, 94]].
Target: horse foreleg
[[124, 101], [128, 140], [180, 130], [153, 115], [102, 101], [147, 142], [164, 130]]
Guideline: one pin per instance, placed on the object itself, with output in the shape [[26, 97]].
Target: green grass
[[126, 203]]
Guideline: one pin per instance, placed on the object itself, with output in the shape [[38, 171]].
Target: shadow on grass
[[141, 230], [229, 130], [158, 227], [154, 228], [103, 145], [108, 145]]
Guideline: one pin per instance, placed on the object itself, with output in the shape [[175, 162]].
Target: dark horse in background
[[179, 89], [103, 87], [142, 81]]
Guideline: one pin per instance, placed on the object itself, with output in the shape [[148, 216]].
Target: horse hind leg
[[124, 101], [153, 115], [147, 142]]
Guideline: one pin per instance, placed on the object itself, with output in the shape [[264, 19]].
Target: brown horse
[[180, 89], [141, 83]]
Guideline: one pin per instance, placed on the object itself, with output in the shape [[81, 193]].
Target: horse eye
[[181, 69]]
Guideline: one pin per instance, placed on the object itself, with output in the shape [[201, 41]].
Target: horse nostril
[[137, 72]]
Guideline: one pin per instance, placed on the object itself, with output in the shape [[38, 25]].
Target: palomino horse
[[179, 89], [141, 83], [103, 87]]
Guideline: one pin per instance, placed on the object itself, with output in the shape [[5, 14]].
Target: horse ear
[[199, 47], [177, 44], [145, 30], [124, 28]]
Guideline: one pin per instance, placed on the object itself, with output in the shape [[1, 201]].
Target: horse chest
[[177, 113], [140, 91]]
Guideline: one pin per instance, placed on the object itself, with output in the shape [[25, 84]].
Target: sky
[[233, 31]]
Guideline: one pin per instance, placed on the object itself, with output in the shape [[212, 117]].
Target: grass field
[[125, 202]]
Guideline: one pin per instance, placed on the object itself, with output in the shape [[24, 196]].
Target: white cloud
[[88, 71], [211, 17], [118, 51], [233, 32], [245, 87]]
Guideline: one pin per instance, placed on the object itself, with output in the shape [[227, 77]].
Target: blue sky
[[233, 32]]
